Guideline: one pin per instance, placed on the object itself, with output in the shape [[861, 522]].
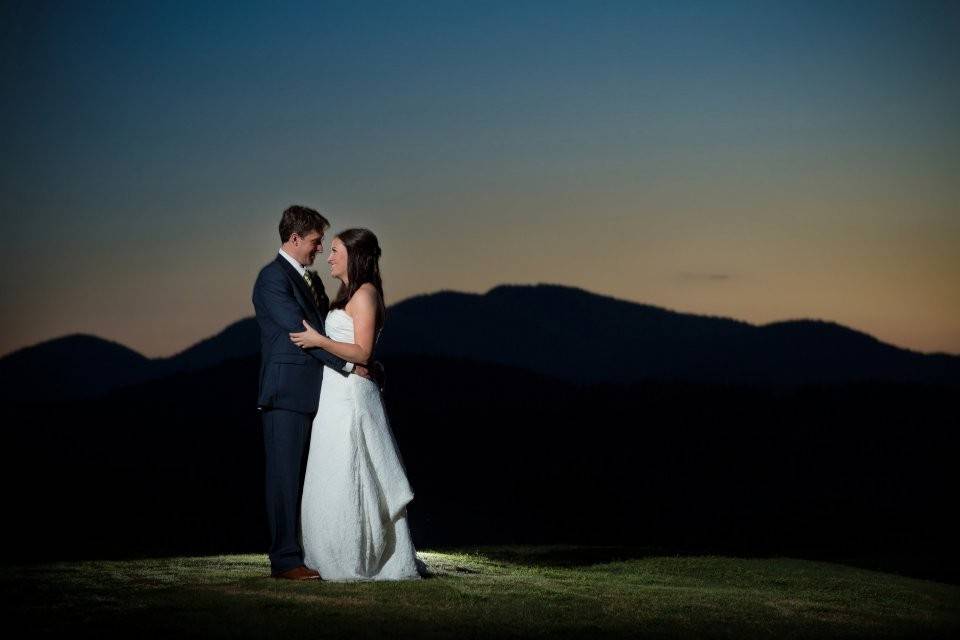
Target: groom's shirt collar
[[296, 265]]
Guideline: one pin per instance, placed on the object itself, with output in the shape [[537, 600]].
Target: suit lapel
[[302, 293]]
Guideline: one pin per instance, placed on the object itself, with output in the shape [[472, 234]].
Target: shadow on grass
[[571, 556], [922, 566]]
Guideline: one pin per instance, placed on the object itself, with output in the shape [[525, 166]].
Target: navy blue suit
[[289, 394]]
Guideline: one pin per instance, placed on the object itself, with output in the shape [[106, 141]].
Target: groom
[[285, 295]]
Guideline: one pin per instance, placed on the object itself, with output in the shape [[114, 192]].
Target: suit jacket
[[289, 376]]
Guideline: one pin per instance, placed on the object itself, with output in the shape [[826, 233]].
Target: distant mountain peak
[[547, 289], [72, 366], [76, 343], [569, 293], [540, 286], [823, 328]]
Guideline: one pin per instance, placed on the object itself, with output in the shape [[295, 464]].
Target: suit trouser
[[286, 435]]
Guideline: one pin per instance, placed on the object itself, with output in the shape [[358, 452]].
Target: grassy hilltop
[[486, 592]]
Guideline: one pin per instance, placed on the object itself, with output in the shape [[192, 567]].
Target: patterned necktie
[[316, 298]]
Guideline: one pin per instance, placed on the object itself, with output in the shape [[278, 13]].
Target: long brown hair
[[363, 265]]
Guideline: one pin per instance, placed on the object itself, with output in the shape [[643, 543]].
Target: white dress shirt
[[303, 270]]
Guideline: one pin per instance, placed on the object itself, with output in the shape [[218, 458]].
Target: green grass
[[485, 592]]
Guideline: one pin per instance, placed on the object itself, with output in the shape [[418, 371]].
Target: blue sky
[[805, 152]]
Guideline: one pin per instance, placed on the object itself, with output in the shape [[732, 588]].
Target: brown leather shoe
[[297, 573]]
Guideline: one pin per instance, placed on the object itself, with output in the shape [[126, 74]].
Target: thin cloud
[[694, 276]]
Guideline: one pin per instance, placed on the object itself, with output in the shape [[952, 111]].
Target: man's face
[[305, 248]]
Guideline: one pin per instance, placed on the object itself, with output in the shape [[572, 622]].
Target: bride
[[355, 493]]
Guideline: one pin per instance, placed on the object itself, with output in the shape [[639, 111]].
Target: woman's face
[[338, 260]]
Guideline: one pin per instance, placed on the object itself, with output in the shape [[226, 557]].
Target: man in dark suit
[[285, 295]]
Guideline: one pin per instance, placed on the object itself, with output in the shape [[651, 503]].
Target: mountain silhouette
[[580, 336], [82, 366], [239, 340], [558, 331], [70, 367]]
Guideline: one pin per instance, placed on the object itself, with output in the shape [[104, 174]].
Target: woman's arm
[[274, 299], [363, 308]]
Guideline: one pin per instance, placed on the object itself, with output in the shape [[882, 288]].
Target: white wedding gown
[[355, 494]]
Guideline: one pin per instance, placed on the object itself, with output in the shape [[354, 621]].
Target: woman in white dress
[[355, 492]]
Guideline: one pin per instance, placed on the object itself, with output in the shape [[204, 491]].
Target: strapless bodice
[[339, 326]]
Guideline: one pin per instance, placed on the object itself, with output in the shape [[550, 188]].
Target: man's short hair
[[301, 220]]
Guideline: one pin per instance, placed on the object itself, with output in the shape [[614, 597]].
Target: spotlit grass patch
[[486, 592]]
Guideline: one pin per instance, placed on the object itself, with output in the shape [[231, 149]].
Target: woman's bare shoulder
[[369, 289], [365, 297]]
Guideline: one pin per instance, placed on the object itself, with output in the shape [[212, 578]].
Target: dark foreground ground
[[485, 592]]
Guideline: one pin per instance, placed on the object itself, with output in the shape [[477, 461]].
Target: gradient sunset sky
[[758, 160]]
